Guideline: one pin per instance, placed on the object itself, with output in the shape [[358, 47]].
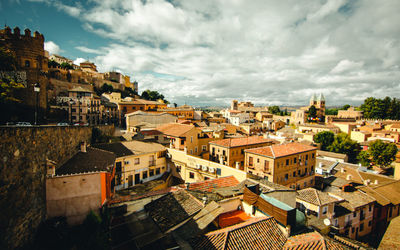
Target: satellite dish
[[327, 222]]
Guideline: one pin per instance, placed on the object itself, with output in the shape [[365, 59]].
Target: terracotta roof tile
[[256, 233], [243, 141], [175, 129], [210, 185], [316, 197], [311, 240], [281, 150], [172, 209]]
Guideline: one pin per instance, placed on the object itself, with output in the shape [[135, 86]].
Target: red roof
[[150, 132], [242, 141], [256, 233], [311, 240], [175, 129], [281, 150], [232, 218], [209, 185]]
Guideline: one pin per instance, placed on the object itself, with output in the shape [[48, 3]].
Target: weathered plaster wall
[[23, 154]]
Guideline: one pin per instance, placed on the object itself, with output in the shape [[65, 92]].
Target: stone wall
[[24, 152]]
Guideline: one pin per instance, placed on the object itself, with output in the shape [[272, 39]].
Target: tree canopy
[[325, 138], [312, 112], [274, 110], [387, 108], [382, 154], [153, 95], [8, 90], [344, 145]]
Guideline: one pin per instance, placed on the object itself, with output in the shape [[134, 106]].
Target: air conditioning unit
[[204, 168], [212, 170]]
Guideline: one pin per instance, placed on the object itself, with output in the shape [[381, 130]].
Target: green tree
[[345, 107], [312, 112], [106, 88], [364, 158], [344, 145], [153, 95], [331, 111], [9, 89], [274, 110], [65, 65], [325, 138], [382, 154], [53, 64]]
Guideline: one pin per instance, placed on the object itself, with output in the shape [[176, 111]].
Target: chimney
[[204, 200], [221, 160], [376, 182], [237, 165], [185, 149], [321, 165], [342, 170], [83, 147], [349, 177]]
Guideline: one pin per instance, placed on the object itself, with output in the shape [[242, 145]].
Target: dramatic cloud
[[52, 47], [79, 60], [269, 52]]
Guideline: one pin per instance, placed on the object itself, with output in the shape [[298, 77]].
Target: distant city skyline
[[205, 53]]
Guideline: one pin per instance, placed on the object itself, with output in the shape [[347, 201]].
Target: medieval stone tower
[[32, 65], [234, 105]]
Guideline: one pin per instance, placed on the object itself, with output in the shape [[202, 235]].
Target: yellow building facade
[[291, 164]]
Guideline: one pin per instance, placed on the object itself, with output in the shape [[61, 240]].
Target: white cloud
[[52, 47], [205, 52], [88, 50], [77, 61]]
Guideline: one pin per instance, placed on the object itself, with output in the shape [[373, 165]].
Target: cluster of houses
[[176, 182]]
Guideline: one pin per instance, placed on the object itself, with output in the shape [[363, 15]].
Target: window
[[191, 175], [313, 155], [361, 227], [286, 177], [182, 142], [27, 63], [195, 149], [118, 167], [151, 172], [352, 229], [204, 148], [294, 174], [250, 161], [137, 161], [324, 210], [305, 184], [258, 160], [73, 110], [299, 172], [144, 174], [306, 157], [369, 223], [370, 207], [354, 214], [295, 160], [157, 171], [287, 162], [191, 139]]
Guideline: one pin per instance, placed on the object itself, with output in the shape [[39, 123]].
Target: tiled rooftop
[[311, 240], [237, 142], [353, 199], [93, 160], [175, 129], [256, 233], [130, 147], [276, 151], [172, 209], [210, 185], [316, 197]]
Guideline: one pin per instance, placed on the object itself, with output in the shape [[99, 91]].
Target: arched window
[[27, 63]]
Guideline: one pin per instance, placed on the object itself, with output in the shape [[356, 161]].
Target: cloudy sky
[[210, 52]]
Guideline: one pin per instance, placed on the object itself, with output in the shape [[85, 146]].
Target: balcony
[[152, 163]]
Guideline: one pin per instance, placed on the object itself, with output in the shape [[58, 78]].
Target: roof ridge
[[317, 196]]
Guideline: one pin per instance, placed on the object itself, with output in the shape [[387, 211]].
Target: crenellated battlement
[[8, 34]]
